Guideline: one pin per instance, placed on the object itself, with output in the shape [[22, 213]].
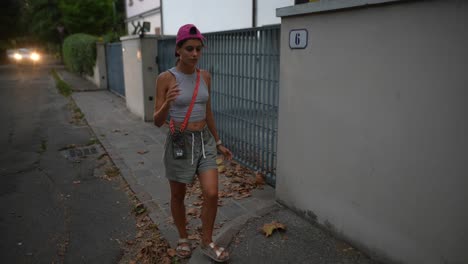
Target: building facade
[[166, 16]]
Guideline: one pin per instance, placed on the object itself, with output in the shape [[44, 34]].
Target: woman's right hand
[[172, 94]]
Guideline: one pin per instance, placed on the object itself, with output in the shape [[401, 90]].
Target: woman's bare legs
[[178, 214], [178, 207], [209, 185]]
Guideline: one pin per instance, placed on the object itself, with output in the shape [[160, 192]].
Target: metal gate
[[114, 61], [244, 65]]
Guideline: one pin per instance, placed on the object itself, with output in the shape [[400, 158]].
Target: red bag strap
[[189, 111]]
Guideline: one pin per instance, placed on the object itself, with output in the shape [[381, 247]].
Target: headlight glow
[[17, 56], [35, 56]]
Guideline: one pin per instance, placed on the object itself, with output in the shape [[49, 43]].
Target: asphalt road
[[54, 208]]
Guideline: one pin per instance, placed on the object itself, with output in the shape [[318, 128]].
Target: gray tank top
[[180, 105]]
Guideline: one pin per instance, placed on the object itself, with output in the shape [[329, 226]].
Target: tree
[[9, 26], [88, 16], [32, 22], [41, 17]]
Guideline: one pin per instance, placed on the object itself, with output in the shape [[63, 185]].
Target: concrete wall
[[99, 77], [373, 131], [140, 73]]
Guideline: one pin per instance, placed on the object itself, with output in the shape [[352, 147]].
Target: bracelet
[[219, 142]]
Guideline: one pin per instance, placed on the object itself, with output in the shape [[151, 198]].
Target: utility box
[[140, 73]]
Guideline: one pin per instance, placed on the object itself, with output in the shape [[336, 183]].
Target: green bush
[[79, 53]]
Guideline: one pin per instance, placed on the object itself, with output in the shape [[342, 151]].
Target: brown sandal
[[214, 252], [183, 251]]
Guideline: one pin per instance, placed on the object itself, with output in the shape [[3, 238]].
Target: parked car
[[24, 56]]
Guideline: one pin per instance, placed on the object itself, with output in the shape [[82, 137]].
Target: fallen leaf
[[192, 211], [238, 180], [194, 236], [139, 234], [197, 203], [242, 196], [171, 252], [132, 262], [259, 179], [141, 152], [221, 168], [219, 161], [348, 249], [269, 228]]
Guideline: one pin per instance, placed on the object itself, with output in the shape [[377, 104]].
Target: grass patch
[[112, 172], [77, 113], [139, 209], [102, 156], [62, 86], [43, 146], [69, 146], [92, 141]]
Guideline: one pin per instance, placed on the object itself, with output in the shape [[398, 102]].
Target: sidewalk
[[136, 148]]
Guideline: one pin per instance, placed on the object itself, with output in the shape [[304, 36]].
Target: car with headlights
[[24, 56]]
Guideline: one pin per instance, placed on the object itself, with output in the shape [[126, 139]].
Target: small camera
[[178, 145]]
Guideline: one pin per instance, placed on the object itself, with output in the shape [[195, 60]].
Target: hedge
[[79, 53]]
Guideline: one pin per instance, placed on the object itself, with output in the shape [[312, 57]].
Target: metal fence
[[114, 62], [244, 66]]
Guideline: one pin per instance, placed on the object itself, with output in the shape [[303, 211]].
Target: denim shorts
[[200, 156]]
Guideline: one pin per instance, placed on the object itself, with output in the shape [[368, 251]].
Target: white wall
[[207, 15], [373, 127], [154, 19], [140, 6], [266, 11]]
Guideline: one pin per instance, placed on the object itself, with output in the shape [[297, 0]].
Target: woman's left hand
[[225, 151]]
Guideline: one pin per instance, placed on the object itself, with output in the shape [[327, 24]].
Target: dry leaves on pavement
[[270, 227], [238, 184]]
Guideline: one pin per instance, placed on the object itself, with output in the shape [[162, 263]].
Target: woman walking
[[183, 93]]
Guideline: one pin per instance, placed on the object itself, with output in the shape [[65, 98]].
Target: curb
[[74, 88], [227, 232]]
